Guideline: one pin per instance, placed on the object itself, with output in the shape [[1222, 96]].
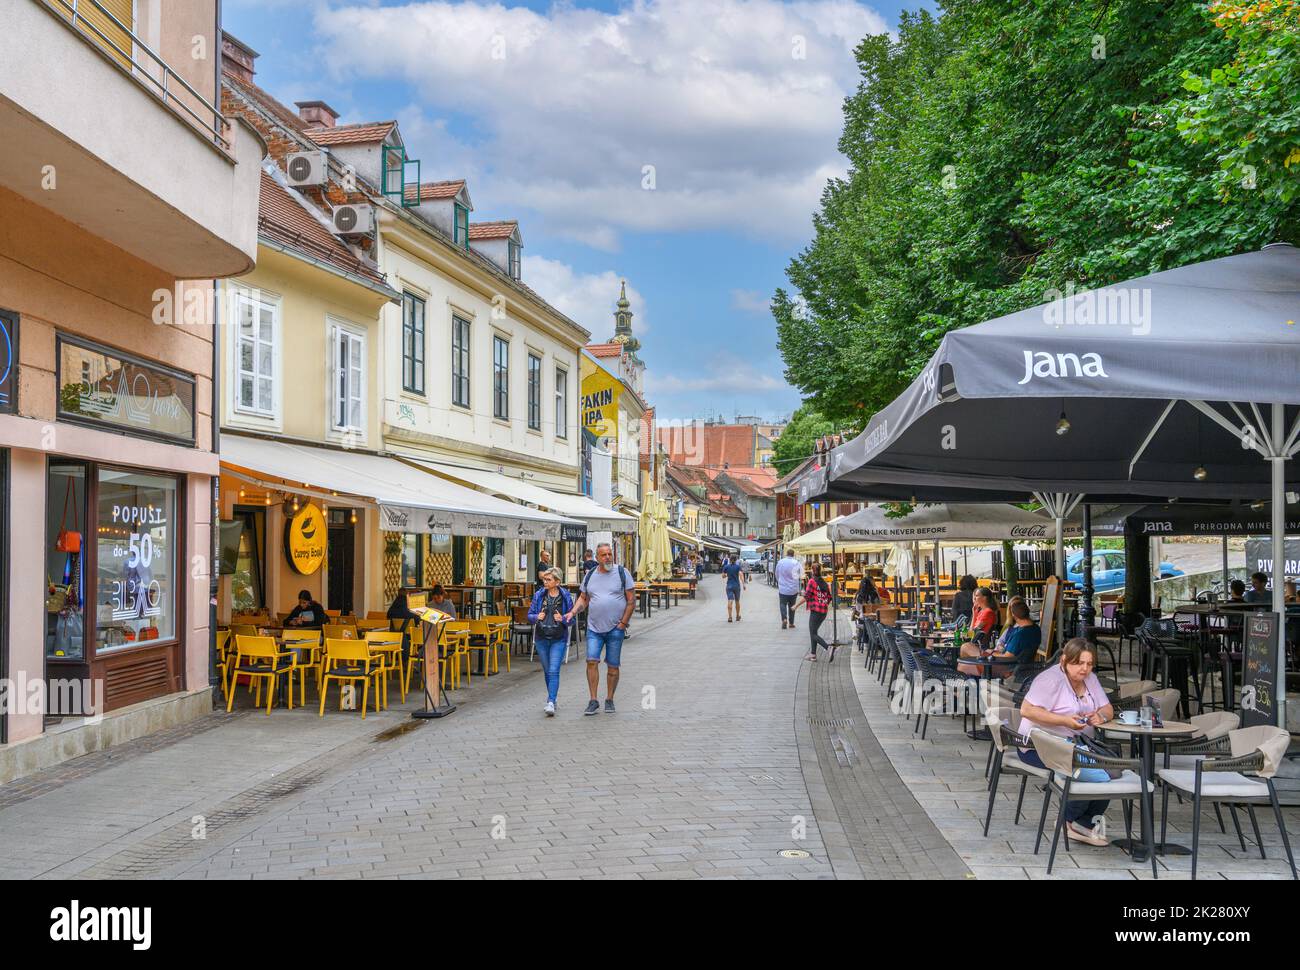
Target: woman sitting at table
[[441, 602], [1068, 700], [1020, 642], [867, 595], [308, 614], [1236, 591], [984, 619]]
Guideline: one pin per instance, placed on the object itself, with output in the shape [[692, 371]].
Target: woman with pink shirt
[[1068, 700]]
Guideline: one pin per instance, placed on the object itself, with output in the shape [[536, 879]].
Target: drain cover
[[795, 854]]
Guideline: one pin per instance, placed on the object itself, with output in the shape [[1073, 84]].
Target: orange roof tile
[[358, 134], [282, 217], [604, 350], [441, 190], [492, 230]]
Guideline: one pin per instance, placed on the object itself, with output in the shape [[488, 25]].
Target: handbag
[[69, 540], [68, 633]]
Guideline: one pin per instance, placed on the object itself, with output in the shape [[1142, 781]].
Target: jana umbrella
[[1174, 384]]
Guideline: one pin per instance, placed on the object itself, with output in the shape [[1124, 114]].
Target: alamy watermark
[[1109, 306], [55, 697]]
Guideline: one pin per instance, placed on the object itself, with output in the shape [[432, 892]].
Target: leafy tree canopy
[[796, 441], [1001, 150]]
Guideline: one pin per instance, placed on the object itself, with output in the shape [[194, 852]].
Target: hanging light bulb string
[[1063, 423]]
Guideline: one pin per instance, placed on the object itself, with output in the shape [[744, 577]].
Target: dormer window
[[516, 260], [462, 225]]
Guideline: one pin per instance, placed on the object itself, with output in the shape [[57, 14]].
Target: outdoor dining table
[[1143, 738], [987, 664]]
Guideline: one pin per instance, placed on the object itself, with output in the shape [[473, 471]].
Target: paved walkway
[[946, 773], [727, 751]]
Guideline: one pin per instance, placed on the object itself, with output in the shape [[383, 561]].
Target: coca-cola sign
[[1029, 532]]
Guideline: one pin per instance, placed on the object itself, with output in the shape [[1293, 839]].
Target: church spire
[[623, 323]]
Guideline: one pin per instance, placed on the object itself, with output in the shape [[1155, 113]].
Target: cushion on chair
[[343, 670], [1126, 784], [1011, 762], [1214, 784]]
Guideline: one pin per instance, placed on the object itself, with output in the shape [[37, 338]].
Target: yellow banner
[[600, 391]]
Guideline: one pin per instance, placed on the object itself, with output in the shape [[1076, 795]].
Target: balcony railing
[[74, 15]]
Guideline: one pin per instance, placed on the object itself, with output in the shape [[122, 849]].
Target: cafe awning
[[683, 538], [718, 544], [576, 507], [408, 499]]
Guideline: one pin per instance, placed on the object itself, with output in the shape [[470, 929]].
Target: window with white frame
[[460, 362], [348, 382], [534, 392], [500, 378], [255, 329], [561, 403], [516, 258]]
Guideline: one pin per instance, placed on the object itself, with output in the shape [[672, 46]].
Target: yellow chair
[[310, 641], [261, 660], [340, 631], [349, 660], [500, 627], [387, 649], [368, 626], [223, 660], [482, 639], [376, 615], [454, 640], [243, 630]]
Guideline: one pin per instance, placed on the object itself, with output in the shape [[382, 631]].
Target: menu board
[[1259, 671]]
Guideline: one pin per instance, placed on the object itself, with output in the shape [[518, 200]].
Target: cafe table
[[1143, 738], [987, 666]]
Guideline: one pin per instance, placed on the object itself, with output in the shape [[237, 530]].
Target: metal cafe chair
[[1006, 759]]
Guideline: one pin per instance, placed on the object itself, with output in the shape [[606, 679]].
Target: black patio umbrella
[[1184, 383]]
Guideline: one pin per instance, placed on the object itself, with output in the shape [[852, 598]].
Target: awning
[[579, 507], [818, 541], [409, 500], [719, 544], [683, 538]]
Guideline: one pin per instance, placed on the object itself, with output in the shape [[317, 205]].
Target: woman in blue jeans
[[551, 633]]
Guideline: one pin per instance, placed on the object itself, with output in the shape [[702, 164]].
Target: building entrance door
[[342, 547]]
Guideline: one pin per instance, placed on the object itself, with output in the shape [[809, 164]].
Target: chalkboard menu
[[1259, 671]]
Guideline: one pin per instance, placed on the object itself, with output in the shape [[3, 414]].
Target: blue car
[[1108, 570]]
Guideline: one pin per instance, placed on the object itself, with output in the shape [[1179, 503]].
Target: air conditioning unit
[[354, 220], [306, 168]]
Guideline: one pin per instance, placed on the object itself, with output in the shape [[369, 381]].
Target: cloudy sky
[[682, 144]]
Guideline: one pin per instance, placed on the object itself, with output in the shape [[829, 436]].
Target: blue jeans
[[611, 642], [1076, 811], [552, 654]]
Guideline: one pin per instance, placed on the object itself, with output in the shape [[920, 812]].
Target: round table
[[1142, 737]]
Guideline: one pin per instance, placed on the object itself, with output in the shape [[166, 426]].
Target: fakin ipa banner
[[305, 539], [600, 391]]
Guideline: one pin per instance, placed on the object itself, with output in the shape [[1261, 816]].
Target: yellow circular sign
[[305, 539]]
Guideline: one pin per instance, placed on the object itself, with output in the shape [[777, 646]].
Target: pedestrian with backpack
[[551, 635], [818, 597], [608, 595]]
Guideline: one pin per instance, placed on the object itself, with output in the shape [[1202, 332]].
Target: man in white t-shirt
[[789, 580]]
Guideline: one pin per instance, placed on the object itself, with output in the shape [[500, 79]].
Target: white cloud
[[722, 377], [587, 298], [740, 131], [751, 301]]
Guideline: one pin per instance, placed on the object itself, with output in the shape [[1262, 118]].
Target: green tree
[[796, 441], [999, 151]]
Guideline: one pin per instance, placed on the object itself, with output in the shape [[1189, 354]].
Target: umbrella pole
[[835, 601], [1225, 566], [938, 614], [1086, 612], [1278, 462]]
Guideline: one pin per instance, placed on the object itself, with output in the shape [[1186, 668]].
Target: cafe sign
[[116, 391], [305, 539]]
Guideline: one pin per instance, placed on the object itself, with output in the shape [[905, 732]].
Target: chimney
[[317, 113], [237, 58]]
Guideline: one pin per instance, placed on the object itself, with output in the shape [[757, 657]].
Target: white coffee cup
[[1128, 717]]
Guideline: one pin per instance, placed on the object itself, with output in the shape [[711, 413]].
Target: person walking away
[[543, 564], [735, 575], [550, 606], [789, 580], [608, 594], [818, 597], [588, 562]]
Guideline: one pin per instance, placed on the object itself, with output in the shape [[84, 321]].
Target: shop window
[[65, 567], [136, 531], [412, 560], [246, 581]]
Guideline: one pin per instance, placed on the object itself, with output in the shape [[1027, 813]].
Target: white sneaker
[[550, 708]]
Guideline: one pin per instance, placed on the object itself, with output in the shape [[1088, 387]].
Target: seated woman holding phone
[[1068, 700]]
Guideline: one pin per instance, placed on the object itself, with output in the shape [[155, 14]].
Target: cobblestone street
[[725, 750]]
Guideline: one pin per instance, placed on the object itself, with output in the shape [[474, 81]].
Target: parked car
[[1108, 569], [752, 559]]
